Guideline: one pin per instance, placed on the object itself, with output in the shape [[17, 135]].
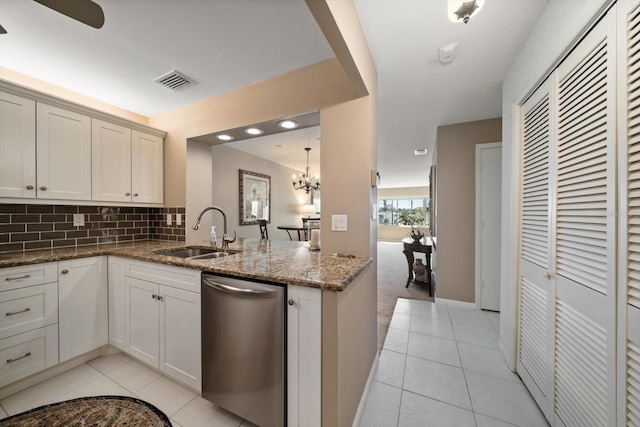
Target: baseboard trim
[[454, 303], [51, 372], [365, 393]]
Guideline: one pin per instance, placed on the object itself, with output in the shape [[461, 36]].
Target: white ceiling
[[225, 44], [416, 94]]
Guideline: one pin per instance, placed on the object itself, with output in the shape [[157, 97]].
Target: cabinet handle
[[29, 187], [135, 194], [65, 271], [18, 358], [160, 298], [154, 296], [11, 313], [127, 194], [43, 188], [26, 276], [547, 275], [291, 302]]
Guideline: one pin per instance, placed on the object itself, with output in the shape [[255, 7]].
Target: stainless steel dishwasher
[[243, 348]]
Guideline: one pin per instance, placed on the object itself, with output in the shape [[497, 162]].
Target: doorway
[[488, 219]]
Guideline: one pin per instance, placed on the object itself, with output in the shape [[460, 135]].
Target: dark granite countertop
[[278, 261]]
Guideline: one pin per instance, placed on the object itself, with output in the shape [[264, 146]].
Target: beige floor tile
[[167, 395], [202, 413], [134, 375], [110, 362]]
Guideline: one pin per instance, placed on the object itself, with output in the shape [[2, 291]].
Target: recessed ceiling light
[[420, 151], [254, 131], [224, 137], [288, 124]]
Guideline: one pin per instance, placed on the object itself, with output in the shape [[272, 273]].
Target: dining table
[[297, 228]]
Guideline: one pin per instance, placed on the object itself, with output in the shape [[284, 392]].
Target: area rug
[[99, 411]]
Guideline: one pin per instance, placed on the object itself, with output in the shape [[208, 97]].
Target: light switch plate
[[338, 223], [178, 219], [78, 220], [168, 219]]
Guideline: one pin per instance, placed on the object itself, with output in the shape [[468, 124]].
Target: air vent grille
[[173, 80]]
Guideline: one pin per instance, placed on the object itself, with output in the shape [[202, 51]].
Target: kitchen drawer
[[28, 275], [28, 353], [26, 309], [176, 277]]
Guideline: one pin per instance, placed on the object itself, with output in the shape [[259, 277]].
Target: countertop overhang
[[279, 261]]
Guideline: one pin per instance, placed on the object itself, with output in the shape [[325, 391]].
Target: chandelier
[[304, 181]]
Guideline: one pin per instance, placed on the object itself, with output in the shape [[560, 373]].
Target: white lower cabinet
[[117, 302], [304, 356], [28, 320], [163, 322], [82, 304]]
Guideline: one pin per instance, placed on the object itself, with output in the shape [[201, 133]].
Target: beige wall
[[455, 209], [300, 91], [286, 202], [49, 89]]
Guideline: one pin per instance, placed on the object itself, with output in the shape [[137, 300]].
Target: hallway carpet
[[392, 279]]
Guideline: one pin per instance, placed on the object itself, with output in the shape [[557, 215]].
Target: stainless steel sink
[[195, 253]]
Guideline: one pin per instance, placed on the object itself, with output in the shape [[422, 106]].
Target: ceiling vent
[[448, 53], [173, 80], [420, 151]]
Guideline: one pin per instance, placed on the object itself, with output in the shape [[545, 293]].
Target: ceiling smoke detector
[[173, 80]]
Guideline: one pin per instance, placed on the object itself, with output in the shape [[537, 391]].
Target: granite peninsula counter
[[277, 261]]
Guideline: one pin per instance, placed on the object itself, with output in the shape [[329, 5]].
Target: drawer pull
[[18, 312], [26, 276], [65, 271], [18, 358]]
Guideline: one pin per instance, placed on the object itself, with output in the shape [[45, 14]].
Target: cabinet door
[[180, 355], [304, 353], [17, 146], [117, 302], [147, 181], [63, 154], [142, 321], [111, 162], [82, 302]]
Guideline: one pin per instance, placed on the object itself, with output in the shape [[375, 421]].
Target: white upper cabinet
[[111, 162], [147, 183], [63, 150], [127, 165], [17, 146]]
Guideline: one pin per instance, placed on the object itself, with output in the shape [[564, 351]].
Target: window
[[404, 211]]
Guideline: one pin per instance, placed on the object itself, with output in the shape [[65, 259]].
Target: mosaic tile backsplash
[[24, 227]]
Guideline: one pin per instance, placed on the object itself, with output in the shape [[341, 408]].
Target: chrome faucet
[[225, 236]]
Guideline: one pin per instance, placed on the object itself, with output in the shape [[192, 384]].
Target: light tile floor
[[440, 366], [118, 374]]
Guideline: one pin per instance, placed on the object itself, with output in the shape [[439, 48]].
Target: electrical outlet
[[178, 219], [168, 219], [78, 220]]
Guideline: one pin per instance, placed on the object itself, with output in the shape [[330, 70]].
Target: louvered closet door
[[629, 345], [535, 295], [585, 232]]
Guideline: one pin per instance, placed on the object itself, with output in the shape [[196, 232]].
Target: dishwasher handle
[[257, 293]]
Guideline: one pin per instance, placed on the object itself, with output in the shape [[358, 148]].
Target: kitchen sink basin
[[195, 253]]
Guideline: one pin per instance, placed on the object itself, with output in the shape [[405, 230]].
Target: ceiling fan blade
[[85, 11]]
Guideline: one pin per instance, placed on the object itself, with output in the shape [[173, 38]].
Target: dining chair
[[264, 234]]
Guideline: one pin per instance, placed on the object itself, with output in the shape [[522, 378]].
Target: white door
[[180, 355], [488, 206], [111, 162], [536, 291], [147, 159], [17, 146], [63, 154], [142, 337], [82, 306]]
